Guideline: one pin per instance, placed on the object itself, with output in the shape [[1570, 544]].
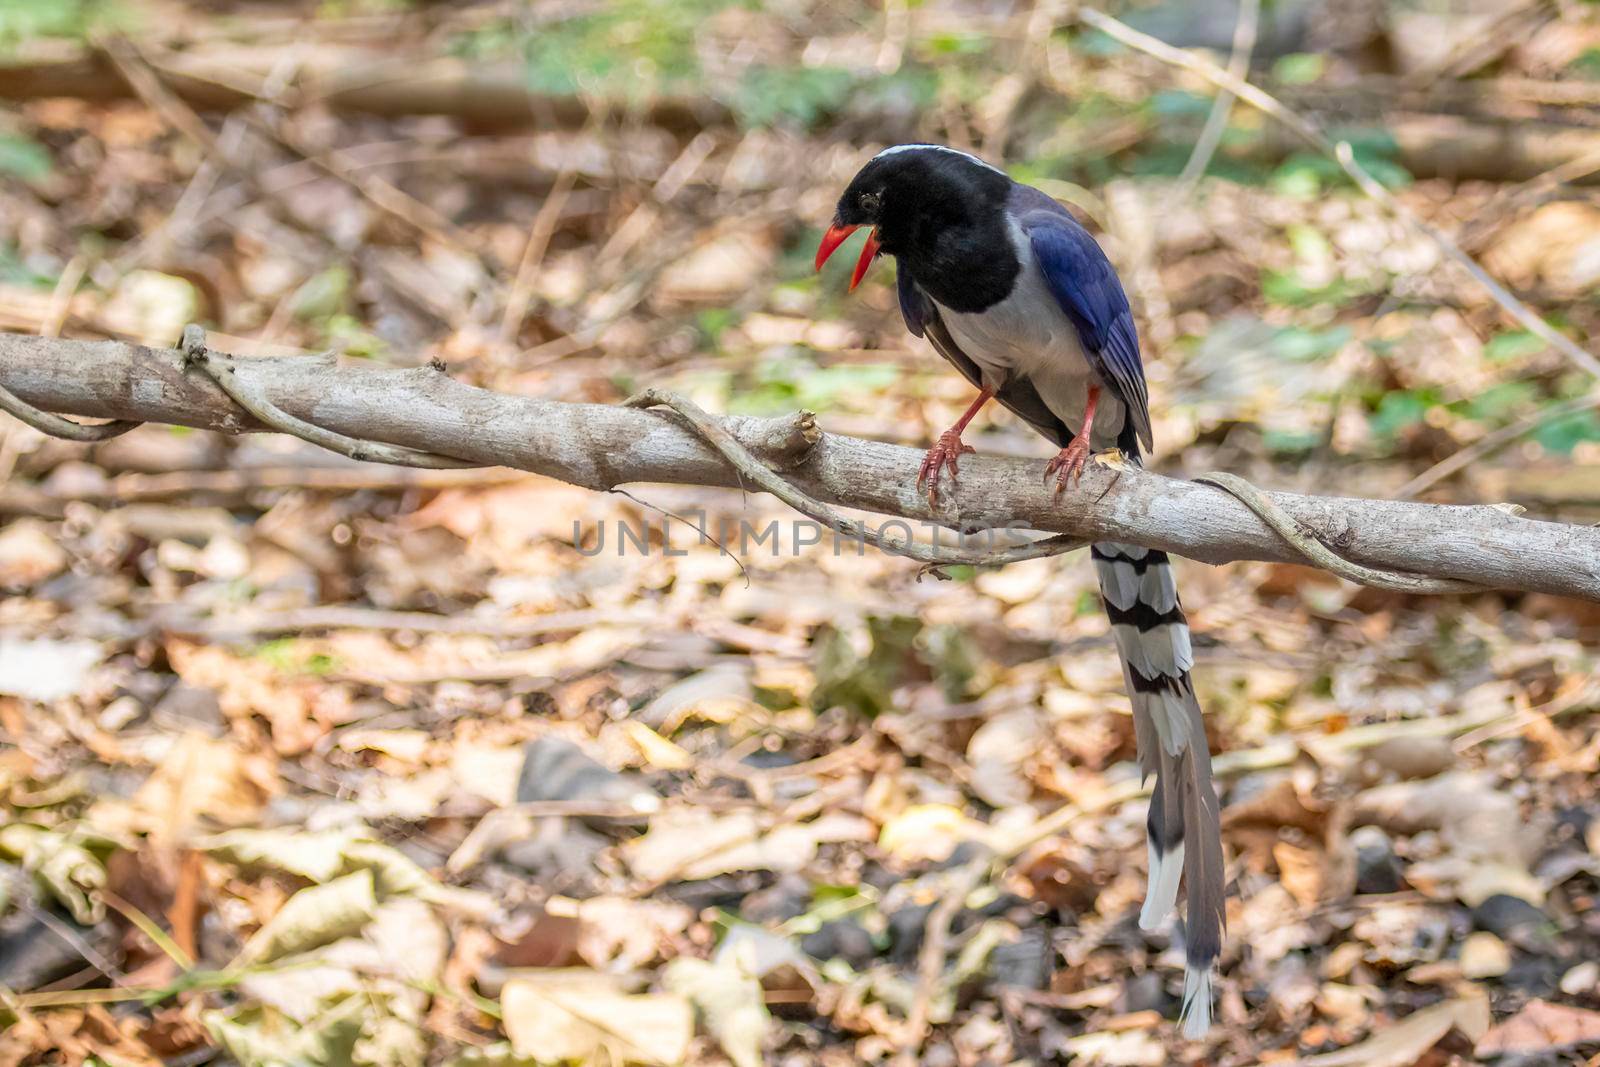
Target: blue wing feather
[[1085, 284]]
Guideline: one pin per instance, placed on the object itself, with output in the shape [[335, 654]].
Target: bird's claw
[[1068, 464], [947, 451]]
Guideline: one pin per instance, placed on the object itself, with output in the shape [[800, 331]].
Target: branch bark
[[601, 447]]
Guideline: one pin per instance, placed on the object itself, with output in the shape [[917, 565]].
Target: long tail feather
[[1185, 825]]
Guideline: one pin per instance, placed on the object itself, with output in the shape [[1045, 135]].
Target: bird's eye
[[871, 202]]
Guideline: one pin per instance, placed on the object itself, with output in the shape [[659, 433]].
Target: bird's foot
[[947, 451], [1068, 464]]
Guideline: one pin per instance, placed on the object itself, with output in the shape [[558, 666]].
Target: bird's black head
[[916, 198]]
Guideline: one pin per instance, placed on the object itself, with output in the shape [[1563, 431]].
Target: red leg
[[948, 449], [1069, 461]]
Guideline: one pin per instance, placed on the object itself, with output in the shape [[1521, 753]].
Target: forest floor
[[317, 762]]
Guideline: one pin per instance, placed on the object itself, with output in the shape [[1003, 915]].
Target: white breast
[[1027, 334]]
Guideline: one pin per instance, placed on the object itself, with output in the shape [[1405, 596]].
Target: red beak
[[835, 237]]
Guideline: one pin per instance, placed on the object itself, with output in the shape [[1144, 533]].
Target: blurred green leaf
[[953, 43], [908, 89], [827, 385], [289, 656], [1291, 442], [25, 20], [796, 381], [1499, 402], [1167, 160], [1309, 243], [1288, 289], [794, 96], [1095, 43], [322, 295], [257, 1037], [350, 335], [860, 668], [1587, 65], [13, 271], [1301, 345], [859, 671], [1299, 176], [629, 47], [1512, 345], [22, 157], [1299, 68], [713, 322], [1180, 104], [947, 650], [1563, 434], [1402, 409], [1306, 173]]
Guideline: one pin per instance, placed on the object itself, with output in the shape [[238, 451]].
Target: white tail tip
[[1161, 894], [1196, 1013]]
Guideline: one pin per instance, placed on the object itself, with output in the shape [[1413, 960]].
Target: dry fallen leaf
[[689, 844], [28, 554], [45, 669], [655, 750], [582, 1016], [998, 752], [1300, 871], [200, 780], [314, 916], [1404, 1042], [617, 933], [1539, 1027], [927, 832], [1484, 955], [728, 997], [1117, 1048]]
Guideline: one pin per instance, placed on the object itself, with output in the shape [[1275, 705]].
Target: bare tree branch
[[600, 447]]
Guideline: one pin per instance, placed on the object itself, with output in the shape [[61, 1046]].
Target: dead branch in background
[[1447, 128], [601, 447]]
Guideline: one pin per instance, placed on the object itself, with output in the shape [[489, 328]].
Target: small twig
[[61, 297], [1244, 43], [701, 530], [149, 87], [269, 414], [147, 81], [1493, 442], [1578, 698], [382, 194], [1511, 26], [91, 955], [1322, 556], [544, 227], [896, 32], [752, 468], [1488, 219], [1342, 154], [931, 957], [150, 928], [55, 425]]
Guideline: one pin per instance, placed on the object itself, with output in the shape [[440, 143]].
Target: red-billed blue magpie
[[1007, 286]]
